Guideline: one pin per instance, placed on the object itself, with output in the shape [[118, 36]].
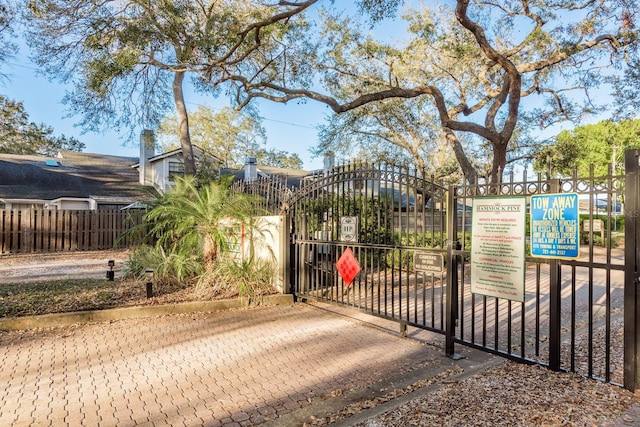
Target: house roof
[[292, 177], [71, 174], [197, 151]]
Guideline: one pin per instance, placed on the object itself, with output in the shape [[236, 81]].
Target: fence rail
[[26, 231], [579, 314]]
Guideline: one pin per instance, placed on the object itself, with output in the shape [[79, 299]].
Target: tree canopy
[[481, 75], [20, 136], [401, 132], [601, 145], [474, 61], [230, 135], [128, 59], [278, 158], [7, 46]]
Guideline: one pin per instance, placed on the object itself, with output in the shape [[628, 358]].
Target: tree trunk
[[468, 170], [209, 252], [183, 125], [499, 162]]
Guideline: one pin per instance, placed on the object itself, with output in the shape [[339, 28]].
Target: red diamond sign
[[348, 266]]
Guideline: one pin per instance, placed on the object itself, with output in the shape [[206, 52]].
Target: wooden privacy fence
[[25, 231]]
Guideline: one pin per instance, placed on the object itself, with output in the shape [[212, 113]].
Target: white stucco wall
[[269, 245]]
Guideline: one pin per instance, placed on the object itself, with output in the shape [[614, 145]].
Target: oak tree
[[128, 60], [228, 134], [18, 135], [475, 61], [601, 144]]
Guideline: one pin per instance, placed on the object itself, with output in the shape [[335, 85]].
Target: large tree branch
[[297, 8], [257, 90], [513, 78], [616, 41]]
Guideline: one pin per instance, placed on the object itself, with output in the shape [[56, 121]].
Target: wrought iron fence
[[579, 314]]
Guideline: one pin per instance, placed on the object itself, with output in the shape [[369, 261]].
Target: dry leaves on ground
[[514, 395]]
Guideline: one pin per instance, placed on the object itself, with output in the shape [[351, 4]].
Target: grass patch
[[62, 296]]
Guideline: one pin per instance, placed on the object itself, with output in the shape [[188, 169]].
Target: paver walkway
[[240, 367]]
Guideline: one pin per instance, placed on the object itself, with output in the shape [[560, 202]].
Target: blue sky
[[291, 127]]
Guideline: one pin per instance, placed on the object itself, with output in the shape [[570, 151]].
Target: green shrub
[[168, 268], [400, 259], [616, 240], [246, 278]]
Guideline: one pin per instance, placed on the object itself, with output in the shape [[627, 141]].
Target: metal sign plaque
[[428, 262], [349, 229]]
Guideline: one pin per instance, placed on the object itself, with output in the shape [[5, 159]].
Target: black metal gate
[[632, 272], [412, 243], [572, 315], [399, 218]]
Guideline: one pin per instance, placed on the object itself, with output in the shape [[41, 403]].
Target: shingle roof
[[292, 177], [78, 175]]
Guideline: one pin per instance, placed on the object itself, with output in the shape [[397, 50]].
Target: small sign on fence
[[348, 266], [349, 229], [428, 262]]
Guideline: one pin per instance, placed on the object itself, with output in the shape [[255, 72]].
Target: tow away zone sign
[[555, 226]]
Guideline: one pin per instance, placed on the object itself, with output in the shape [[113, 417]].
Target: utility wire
[[13, 64], [193, 103], [260, 117]]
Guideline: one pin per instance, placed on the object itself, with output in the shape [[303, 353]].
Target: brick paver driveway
[[240, 367]]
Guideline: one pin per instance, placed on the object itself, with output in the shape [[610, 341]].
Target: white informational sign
[[349, 229], [498, 247]]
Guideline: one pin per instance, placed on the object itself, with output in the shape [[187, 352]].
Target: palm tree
[[189, 220]]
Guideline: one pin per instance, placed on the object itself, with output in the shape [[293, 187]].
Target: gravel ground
[[22, 268]]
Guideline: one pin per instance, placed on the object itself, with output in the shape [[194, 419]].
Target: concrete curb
[[65, 319]]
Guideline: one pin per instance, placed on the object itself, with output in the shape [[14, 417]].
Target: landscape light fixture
[[110, 273], [149, 275]]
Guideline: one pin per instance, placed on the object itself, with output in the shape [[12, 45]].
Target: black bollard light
[[149, 275], [110, 273]]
